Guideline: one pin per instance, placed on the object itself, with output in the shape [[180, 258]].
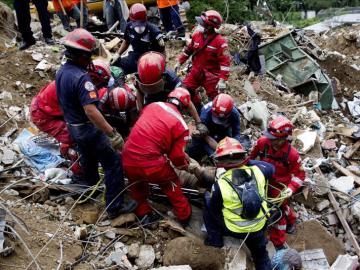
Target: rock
[[133, 250], [332, 219], [37, 56], [121, 220], [5, 95], [177, 267], [8, 156], [11, 192], [191, 251], [345, 262], [146, 257], [120, 259], [355, 210], [69, 201], [343, 183], [119, 246], [80, 232], [110, 234], [322, 205], [90, 216]]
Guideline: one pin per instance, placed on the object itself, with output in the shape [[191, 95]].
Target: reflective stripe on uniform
[[224, 68], [280, 227], [237, 211], [296, 180], [211, 47], [246, 223], [172, 112]]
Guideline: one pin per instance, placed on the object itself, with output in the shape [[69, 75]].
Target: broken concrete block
[[8, 156], [314, 260], [133, 250], [119, 259], [345, 262], [122, 219], [355, 210], [37, 56], [322, 205], [332, 219], [343, 183], [174, 267], [305, 140], [146, 257], [249, 89]]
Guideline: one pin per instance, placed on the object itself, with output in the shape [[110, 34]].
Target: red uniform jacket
[[211, 57], [158, 135], [46, 100], [287, 162]]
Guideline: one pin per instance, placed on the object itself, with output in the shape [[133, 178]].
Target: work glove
[[161, 42], [193, 165], [201, 130], [116, 140], [221, 85], [114, 58], [287, 193]]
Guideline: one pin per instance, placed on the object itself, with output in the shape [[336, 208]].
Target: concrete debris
[[11, 192], [322, 205], [176, 267], [314, 260], [8, 156], [123, 219], [110, 234], [146, 257], [343, 183], [5, 95], [332, 219], [256, 112], [37, 56], [345, 262], [80, 232], [305, 140], [43, 65], [355, 210], [118, 258], [133, 250]]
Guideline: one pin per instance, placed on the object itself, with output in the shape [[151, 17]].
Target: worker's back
[[160, 125]]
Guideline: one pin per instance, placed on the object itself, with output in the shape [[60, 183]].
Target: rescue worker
[[222, 119], [154, 83], [170, 16], [118, 105], [156, 145], [236, 206], [47, 115], [96, 140], [274, 147], [142, 35], [210, 62]]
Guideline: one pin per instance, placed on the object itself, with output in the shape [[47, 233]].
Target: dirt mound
[[7, 25]]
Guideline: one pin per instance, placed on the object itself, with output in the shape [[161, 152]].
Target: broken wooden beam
[[352, 150], [346, 172], [342, 219]]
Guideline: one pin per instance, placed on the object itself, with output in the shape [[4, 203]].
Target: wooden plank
[[352, 150], [342, 219], [346, 172]]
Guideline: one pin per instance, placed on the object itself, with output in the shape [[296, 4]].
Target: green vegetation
[[8, 2]]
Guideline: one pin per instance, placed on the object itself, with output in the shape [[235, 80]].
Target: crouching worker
[[236, 206], [154, 147]]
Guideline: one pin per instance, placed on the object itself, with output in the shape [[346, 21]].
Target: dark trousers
[[129, 63], [94, 147], [22, 10], [256, 241], [170, 17]]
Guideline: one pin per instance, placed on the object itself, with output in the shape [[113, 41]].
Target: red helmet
[[280, 127], [138, 12], [80, 39], [222, 106], [210, 18], [100, 71], [151, 67], [227, 148], [179, 94], [121, 98]]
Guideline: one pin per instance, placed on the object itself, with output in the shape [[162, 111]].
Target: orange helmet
[[100, 71], [179, 96], [151, 67], [279, 128], [121, 98], [138, 12], [80, 39], [228, 148], [210, 18]]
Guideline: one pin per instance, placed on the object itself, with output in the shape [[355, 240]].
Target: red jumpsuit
[[210, 63], [156, 144], [288, 171], [47, 116]]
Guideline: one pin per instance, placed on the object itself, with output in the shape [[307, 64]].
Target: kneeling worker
[[236, 207]]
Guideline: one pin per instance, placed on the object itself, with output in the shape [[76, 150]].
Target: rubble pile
[[64, 232]]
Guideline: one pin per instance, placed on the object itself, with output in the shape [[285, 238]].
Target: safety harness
[[283, 159]]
